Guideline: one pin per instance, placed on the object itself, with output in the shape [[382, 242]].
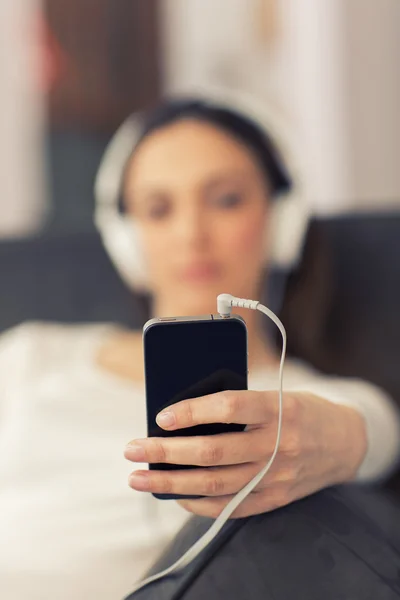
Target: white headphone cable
[[225, 303]]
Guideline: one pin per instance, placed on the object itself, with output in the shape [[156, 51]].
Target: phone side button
[[167, 319]]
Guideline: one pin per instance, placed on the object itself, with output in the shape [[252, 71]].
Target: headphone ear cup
[[121, 239], [119, 232], [286, 232]]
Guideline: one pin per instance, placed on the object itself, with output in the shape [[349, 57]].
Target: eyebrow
[[223, 177], [226, 177]]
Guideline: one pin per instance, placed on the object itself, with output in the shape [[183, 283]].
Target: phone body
[[189, 357]]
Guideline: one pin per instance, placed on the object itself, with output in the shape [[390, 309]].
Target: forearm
[[364, 408], [348, 442]]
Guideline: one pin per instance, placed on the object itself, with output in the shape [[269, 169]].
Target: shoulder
[[18, 337], [41, 333], [36, 340], [299, 376], [351, 391]]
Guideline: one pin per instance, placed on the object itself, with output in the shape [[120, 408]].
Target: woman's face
[[201, 202]]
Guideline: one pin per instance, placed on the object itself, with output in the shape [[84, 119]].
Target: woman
[[200, 185]]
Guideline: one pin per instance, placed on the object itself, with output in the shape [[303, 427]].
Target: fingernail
[[136, 452], [166, 419], [140, 480]]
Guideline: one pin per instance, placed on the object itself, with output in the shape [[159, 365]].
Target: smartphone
[[189, 357]]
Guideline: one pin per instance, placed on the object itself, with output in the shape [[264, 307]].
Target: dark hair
[[236, 124]]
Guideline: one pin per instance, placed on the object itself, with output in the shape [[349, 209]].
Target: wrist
[[351, 442]]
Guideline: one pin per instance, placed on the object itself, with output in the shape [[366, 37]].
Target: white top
[[70, 527]]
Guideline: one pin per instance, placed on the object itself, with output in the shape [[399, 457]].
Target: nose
[[191, 227]]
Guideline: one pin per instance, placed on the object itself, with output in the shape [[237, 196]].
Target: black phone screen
[[191, 359]]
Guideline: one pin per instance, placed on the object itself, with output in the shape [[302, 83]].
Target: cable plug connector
[[225, 303]]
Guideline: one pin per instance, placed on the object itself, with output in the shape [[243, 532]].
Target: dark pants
[[340, 544]]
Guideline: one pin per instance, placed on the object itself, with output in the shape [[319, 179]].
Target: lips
[[200, 272]]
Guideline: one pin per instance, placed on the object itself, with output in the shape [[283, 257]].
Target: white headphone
[[121, 237]]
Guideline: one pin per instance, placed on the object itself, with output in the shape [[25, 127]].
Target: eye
[[156, 209], [228, 200], [158, 212]]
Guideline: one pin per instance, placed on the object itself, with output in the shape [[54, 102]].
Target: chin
[[200, 301]]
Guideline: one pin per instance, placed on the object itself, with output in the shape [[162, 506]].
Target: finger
[[242, 407], [204, 451], [256, 503], [218, 481]]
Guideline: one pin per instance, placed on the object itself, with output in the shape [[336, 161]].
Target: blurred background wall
[[70, 71], [331, 65], [23, 198]]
